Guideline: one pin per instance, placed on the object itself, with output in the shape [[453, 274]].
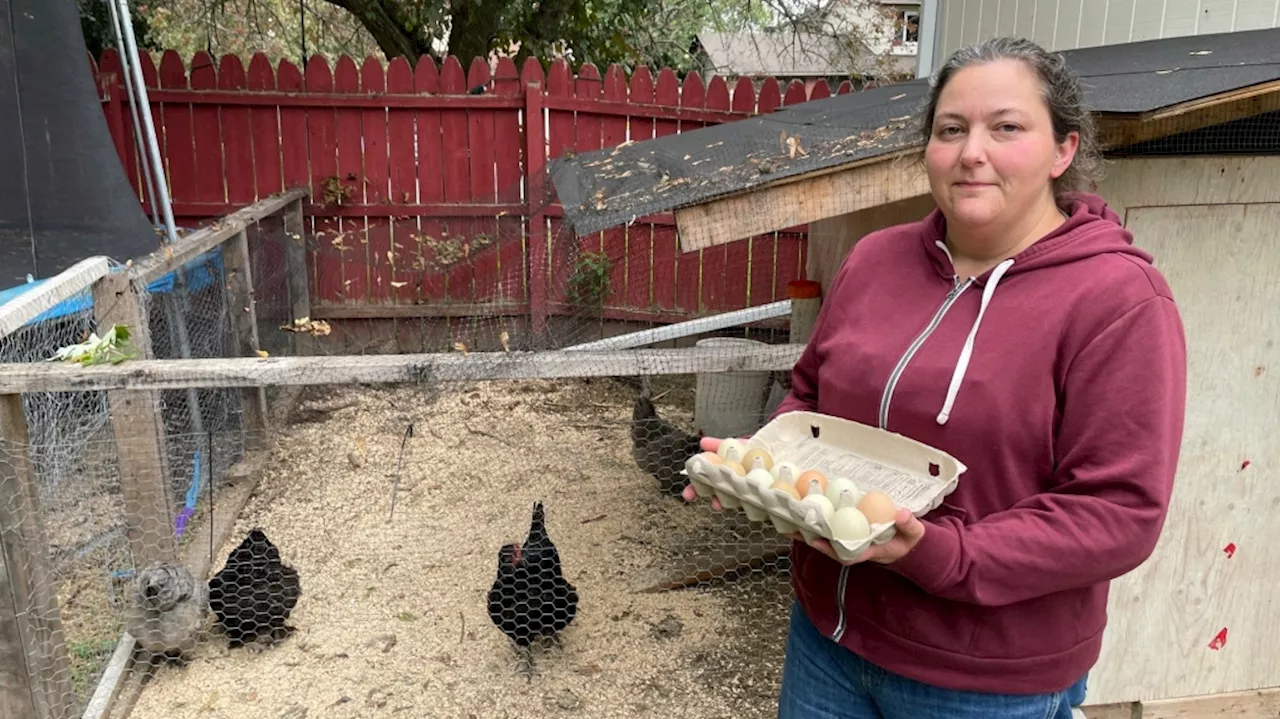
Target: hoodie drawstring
[[962, 365]]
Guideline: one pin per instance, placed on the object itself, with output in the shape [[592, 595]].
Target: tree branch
[[382, 21]]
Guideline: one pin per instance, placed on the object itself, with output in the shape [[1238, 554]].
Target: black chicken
[[659, 447], [530, 599], [251, 597]]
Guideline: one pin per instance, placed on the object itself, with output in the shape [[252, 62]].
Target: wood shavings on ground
[[392, 619]]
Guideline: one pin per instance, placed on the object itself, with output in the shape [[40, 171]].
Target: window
[[908, 26]]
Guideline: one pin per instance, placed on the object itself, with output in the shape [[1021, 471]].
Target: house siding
[[1069, 24]]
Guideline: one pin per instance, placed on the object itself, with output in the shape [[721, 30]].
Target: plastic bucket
[[730, 404]]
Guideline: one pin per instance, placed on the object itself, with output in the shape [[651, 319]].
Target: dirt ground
[[392, 619]]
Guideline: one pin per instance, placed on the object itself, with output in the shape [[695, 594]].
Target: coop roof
[[1140, 90]]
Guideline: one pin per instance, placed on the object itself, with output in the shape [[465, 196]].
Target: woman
[[1017, 328]]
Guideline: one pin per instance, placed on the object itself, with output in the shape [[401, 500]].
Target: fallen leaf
[[263, 354]]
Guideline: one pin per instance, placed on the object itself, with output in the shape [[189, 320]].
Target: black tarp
[[63, 191], [609, 187]]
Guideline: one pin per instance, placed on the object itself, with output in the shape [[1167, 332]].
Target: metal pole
[[930, 10], [153, 145], [177, 317], [133, 109]]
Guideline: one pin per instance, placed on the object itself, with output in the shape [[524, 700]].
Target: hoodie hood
[[1092, 228]]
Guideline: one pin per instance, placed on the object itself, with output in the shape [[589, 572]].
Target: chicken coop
[[1191, 128], [357, 528]]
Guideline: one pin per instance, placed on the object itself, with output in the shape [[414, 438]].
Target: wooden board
[[1215, 566], [1120, 130], [1260, 704], [873, 182], [1196, 180], [138, 430], [187, 248], [242, 309], [151, 375], [831, 240], [63, 286], [1250, 705], [35, 672]]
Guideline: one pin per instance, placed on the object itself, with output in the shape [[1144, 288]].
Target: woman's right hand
[[708, 444]]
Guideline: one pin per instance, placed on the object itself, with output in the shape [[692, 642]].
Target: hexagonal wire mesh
[[95, 536], [603, 454]]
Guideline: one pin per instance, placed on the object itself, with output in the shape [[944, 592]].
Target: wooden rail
[[57, 289], [150, 375], [197, 243]]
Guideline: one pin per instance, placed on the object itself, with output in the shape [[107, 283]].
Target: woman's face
[[991, 156]]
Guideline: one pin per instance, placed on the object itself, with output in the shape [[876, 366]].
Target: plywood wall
[[1198, 617], [1068, 24], [831, 239]]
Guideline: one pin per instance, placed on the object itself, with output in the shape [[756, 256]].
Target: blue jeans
[[823, 680]]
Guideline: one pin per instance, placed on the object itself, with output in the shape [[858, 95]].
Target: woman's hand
[[910, 530], [708, 444]]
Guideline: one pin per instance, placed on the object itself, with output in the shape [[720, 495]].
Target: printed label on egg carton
[[912, 474]]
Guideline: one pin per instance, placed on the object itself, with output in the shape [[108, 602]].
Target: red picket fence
[[429, 194]]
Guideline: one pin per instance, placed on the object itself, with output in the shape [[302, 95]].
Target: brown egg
[[737, 467], [786, 488], [802, 482], [712, 457], [877, 507], [757, 455]]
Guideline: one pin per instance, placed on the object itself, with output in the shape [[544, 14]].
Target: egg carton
[[913, 474]]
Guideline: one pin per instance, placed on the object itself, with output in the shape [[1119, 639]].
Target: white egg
[[731, 449], [843, 492], [850, 525], [785, 471], [819, 503], [761, 478]]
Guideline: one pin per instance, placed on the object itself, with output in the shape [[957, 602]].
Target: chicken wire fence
[[90, 551], [409, 284], [654, 601], [535, 553], [487, 548]]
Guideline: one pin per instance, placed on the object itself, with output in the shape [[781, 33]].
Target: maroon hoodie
[[1059, 379]]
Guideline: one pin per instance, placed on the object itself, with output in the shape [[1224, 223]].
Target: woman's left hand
[[910, 530]]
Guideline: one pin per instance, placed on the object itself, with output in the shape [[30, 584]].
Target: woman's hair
[[1062, 94]]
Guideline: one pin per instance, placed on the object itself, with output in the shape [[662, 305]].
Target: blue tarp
[[201, 272]]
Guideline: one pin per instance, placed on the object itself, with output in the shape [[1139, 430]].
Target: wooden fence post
[[139, 431], [35, 671], [296, 265], [535, 162], [244, 326]]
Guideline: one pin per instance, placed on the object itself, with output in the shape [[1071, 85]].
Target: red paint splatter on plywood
[[1219, 640]]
